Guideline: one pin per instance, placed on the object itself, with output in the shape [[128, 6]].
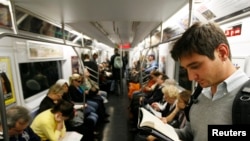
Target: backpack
[[240, 108], [241, 105], [118, 62]]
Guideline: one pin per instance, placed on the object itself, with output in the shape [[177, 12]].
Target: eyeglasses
[[79, 81]]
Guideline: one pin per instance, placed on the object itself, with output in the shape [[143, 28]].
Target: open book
[[156, 113], [149, 122], [71, 136]]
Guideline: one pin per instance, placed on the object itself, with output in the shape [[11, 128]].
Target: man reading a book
[[204, 51]]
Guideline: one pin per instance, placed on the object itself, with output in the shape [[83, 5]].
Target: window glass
[[5, 19], [38, 76]]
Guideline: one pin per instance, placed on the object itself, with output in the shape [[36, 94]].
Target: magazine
[[151, 123]]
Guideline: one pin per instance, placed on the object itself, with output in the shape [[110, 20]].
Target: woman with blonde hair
[[93, 88], [176, 117], [170, 94], [54, 94], [79, 93]]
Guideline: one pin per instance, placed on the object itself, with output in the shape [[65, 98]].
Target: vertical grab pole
[[190, 15], [82, 66], [3, 115], [121, 72], [190, 22], [2, 99]]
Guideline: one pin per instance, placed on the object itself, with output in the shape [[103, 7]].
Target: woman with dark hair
[[85, 119], [5, 83], [49, 124]]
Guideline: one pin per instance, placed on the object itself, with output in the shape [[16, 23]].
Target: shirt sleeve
[[152, 66], [52, 134]]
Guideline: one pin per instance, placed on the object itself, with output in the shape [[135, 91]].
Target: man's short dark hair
[[200, 38]]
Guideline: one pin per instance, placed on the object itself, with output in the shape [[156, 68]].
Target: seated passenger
[[49, 124], [93, 88], [83, 123], [77, 91], [152, 64], [18, 119], [148, 87], [177, 117], [105, 77], [54, 94], [88, 110], [171, 93], [155, 96]]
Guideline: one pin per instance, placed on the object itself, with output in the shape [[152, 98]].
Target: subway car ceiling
[[117, 22], [109, 21]]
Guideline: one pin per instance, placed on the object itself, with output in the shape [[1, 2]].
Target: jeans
[[116, 87]]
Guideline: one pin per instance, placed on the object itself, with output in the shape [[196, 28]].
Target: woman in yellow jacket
[[49, 124]]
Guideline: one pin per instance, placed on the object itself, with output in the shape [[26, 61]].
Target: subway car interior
[[42, 41]]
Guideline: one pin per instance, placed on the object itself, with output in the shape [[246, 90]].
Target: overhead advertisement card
[[6, 81]]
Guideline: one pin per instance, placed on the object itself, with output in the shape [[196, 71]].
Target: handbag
[[78, 119]]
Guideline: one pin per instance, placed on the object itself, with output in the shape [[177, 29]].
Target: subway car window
[[36, 25], [38, 76], [5, 20], [183, 79]]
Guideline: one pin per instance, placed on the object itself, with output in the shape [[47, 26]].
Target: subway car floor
[[118, 129]]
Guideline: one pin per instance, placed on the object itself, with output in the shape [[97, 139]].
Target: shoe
[[105, 100]]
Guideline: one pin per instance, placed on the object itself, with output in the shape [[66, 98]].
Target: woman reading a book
[[49, 124], [170, 92], [176, 117]]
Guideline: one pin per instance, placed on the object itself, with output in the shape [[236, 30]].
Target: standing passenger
[[116, 73], [95, 57], [203, 50], [92, 67]]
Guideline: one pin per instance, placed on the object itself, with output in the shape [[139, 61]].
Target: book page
[[156, 113], [71, 136], [150, 120], [78, 106]]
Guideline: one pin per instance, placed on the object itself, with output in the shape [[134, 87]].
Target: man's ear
[[223, 51]]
